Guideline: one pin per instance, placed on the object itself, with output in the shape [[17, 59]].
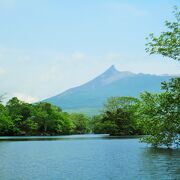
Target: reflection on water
[[72, 157], [164, 163], [67, 137]]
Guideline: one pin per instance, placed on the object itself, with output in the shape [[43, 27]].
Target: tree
[[6, 124], [124, 102], [160, 113], [41, 116], [80, 123], [20, 113], [168, 43], [118, 116], [118, 122], [62, 122], [51, 119]]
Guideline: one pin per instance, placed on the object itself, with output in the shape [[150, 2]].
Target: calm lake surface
[[85, 157]]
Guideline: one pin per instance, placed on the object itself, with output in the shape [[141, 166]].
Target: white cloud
[[2, 71], [25, 97], [78, 56], [50, 74], [113, 56]]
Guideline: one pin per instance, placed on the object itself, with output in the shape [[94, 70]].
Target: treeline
[[20, 118], [154, 115]]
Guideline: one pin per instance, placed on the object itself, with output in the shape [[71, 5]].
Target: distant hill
[[90, 97]]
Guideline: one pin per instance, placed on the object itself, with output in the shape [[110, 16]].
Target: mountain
[[91, 96]]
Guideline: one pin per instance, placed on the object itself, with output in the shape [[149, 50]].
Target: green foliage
[[160, 115], [46, 117], [20, 118], [168, 43], [96, 125], [115, 103], [6, 125], [80, 122], [120, 122], [20, 113], [118, 117]]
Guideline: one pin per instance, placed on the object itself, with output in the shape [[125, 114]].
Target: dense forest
[[20, 118]]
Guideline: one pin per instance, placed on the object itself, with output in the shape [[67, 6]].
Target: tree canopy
[[168, 42], [118, 117], [20, 118], [160, 113]]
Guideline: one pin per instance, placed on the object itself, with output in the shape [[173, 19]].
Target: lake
[[85, 157]]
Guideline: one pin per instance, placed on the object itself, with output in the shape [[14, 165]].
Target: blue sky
[[48, 46]]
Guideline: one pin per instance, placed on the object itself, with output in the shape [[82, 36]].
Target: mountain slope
[[111, 83]]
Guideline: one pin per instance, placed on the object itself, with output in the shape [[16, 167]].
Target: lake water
[[85, 157]]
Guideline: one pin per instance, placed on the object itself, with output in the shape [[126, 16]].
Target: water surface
[[85, 157]]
